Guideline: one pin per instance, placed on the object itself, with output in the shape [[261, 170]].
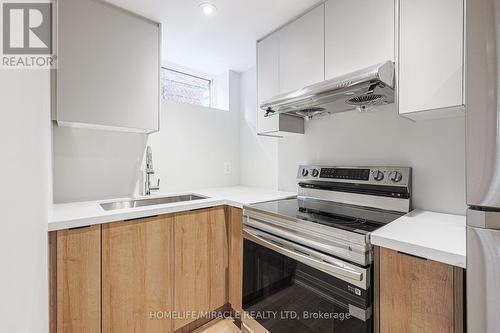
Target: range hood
[[357, 90]]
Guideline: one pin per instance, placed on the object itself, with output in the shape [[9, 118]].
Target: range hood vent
[[358, 90]]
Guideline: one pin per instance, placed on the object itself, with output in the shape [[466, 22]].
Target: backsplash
[[93, 164], [193, 146], [435, 149]]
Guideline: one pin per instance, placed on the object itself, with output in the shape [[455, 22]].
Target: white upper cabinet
[[358, 34], [302, 51], [431, 58], [288, 59], [268, 85], [108, 68]]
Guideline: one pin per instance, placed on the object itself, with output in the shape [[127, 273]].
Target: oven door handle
[[302, 254]]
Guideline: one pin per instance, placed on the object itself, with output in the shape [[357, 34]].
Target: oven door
[[291, 288]]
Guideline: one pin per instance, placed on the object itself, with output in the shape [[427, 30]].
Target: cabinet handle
[[310, 259]]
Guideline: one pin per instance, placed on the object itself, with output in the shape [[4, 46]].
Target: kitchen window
[[185, 88]]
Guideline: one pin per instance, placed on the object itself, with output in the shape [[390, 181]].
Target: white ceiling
[[220, 42]]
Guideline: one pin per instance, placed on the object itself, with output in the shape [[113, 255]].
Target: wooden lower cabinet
[[76, 280], [234, 216], [418, 295], [137, 275], [201, 263]]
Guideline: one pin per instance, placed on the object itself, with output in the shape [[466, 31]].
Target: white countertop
[[77, 214], [434, 236], [237, 196]]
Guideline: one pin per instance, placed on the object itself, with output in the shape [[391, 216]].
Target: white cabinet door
[[431, 51], [108, 68], [267, 80], [302, 51], [358, 34]]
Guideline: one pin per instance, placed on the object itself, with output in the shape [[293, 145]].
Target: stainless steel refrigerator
[[483, 165]]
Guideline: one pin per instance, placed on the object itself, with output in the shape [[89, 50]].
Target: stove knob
[[314, 172], [305, 172], [395, 176], [378, 175]]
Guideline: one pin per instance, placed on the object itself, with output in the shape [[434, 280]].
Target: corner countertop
[[435, 236], [78, 214]]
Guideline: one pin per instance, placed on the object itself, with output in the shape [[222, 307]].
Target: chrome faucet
[[149, 171]]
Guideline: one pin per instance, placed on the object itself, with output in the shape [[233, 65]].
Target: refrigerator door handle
[[483, 219]]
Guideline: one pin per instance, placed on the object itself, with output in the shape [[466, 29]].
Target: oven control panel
[[395, 176]]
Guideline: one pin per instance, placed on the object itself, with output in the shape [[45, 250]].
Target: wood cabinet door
[[431, 54], [302, 51], [78, 279], [416, 295], [235, 261], [358, 34], [137, 279], [200, 264]]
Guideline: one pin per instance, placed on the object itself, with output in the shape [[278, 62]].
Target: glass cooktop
[[347, 217]]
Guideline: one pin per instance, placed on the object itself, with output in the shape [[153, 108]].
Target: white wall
[[189, 152], [193, 145], [24, 170], [434, 149], [93, 164], [258, 154]]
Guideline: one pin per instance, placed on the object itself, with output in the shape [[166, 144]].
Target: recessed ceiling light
[[207, 8]]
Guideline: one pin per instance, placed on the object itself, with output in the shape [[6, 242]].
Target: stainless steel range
[[310, 258]]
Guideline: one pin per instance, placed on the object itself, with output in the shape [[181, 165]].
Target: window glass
[[185, 88]]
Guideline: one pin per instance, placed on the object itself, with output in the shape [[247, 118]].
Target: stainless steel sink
[[149, 202]]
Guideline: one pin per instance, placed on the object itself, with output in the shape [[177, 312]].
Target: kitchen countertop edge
[[449, 248], [81, 214], [444, 257]]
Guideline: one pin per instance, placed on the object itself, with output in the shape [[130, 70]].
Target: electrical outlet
[[227, 168]]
